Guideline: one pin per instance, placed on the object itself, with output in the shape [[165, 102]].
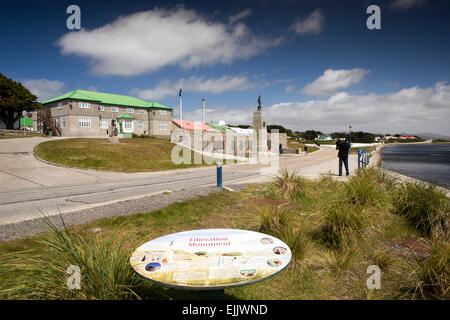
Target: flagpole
[[181, 109]]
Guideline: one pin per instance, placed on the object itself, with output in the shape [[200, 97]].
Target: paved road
[[30, 187]]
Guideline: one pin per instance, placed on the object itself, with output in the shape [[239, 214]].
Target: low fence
[[363, 158]]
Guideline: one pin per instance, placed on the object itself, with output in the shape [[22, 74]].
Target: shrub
[[424, 205], [434, 272], [134, 135]]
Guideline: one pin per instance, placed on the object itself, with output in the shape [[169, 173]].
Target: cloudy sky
[[315, 63]]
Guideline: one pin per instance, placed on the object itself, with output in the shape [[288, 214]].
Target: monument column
[[260, 128]]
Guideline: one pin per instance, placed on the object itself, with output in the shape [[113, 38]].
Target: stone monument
[[113, 133], [260, 128]]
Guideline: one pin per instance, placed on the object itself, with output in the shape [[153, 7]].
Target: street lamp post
[[350, 139]]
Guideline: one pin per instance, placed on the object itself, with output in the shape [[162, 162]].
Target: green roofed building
[[89, 113], [223, 129]]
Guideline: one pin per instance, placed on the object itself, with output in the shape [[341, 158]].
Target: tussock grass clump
[[384, 178], [424, 205], [434, 272], [339, 260], [274, 221], [364, 189], [298, 241], [105, 272], [287, 185], [344, 223], [383, 258]]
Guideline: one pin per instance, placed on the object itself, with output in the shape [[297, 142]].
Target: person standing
[[343, 147]]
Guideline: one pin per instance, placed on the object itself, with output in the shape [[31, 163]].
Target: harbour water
[[427, 162]]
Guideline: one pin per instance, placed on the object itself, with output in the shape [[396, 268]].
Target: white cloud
[[289, 89], [312, 24], [195, 84], [333, 80], [241, 15], [235, 116], [146, 41], [411, 110], [44, 89], [407, 4]]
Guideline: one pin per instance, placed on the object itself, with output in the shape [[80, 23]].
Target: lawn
[[335, 231], [298, 145], [130, 155]]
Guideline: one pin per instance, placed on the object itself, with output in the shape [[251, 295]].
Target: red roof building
[[189, 125]]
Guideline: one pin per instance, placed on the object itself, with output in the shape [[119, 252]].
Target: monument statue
[[259, 127], [113, 132]]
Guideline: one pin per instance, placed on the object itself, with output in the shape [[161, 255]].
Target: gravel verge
[[30, 228]]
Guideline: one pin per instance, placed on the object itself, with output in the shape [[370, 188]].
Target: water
[[427, 162]]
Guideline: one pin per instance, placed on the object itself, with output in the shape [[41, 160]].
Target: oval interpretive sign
[[211, 258]]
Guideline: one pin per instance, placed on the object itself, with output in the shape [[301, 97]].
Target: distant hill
[[431, 135]]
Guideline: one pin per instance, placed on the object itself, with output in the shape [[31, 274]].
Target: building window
[[130, 110], [114, 109], [162, 112], [143, 111], [59, 107], [162, 125], [84, 122], [63, 122], [85, 105], [104, 123], [140, 125], [101, 108], [127, 124]]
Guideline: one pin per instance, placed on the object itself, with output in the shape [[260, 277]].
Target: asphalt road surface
[[30, 187]]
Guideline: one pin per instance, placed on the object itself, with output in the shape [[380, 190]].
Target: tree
[[281, 129], [15, 98], [311, 134], [357, 136]]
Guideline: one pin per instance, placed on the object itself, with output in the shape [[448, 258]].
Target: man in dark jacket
[[343, 147]]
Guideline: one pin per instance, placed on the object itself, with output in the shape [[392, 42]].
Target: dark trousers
[[345, 161]]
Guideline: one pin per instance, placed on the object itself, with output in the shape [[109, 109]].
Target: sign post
[[24, 113]]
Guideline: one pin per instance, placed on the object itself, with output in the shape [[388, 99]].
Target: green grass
[[130, 155], [299, 145], [434, 272], [424, 205], [365, 188], [20, 135], [333, 241]]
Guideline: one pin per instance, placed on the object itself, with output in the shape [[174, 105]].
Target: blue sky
[[315, 63]]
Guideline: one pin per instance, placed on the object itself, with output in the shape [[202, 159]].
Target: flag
[[181, 92]]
